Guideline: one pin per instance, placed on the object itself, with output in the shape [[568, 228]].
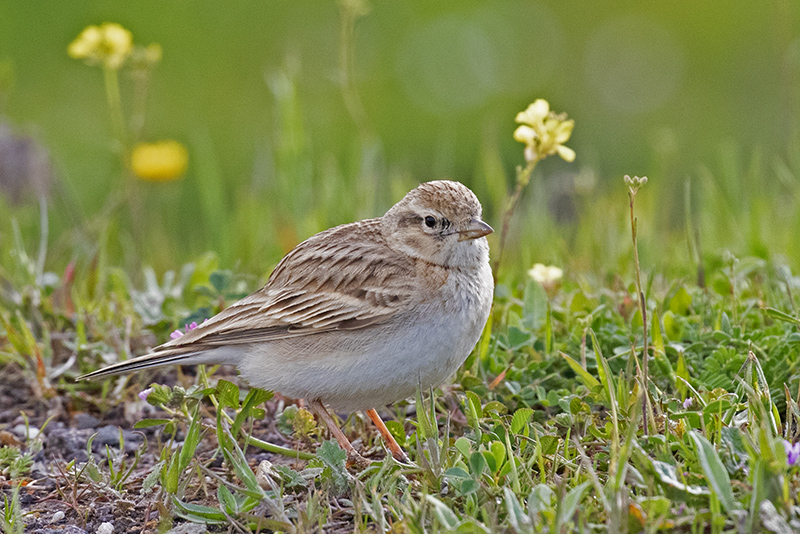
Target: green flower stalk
[[634, 184], [107, 45], [544, 133]]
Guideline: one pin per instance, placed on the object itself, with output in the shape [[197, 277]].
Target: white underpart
[[356, 370]]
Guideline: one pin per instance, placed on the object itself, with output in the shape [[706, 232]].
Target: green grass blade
[[714, 470]]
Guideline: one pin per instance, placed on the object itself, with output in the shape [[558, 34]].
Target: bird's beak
[[475, 229]]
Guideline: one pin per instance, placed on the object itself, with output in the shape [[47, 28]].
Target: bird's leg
[[394, 447], [353, 458]]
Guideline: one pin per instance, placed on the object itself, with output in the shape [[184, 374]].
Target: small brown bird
[[360, 315]]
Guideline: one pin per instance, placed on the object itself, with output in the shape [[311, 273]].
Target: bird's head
[[439, 222]]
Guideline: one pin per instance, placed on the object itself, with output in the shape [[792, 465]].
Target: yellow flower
[[547, 275], [544, 132], [162, 161], [108, 44]]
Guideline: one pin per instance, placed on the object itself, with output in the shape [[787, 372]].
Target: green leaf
[[540, 498], [220, 280], [499, 453], [667, 474], [588, 380], [443, 513], [572, 500], [235, 457], [495, 407], [491, 462], [486, 338], [159, 395], [190, 442], [520, 419], [781, 316], [477, 463], [254, 398], [290, 477], [658, 339], [463, 446], [398, 432], [474, 402], [198, 513], [534, 306], [519, 520], [673, 327], [334, 458], [228, 394], [681, 302], [714, 470], [456, 472], [549, 444], [681, 372], [171, 474], [725, 324], [226, 500], [469, 486]]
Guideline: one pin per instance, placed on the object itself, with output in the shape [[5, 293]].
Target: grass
[[542, 429]]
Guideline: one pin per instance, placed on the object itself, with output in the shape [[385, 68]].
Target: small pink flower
[[688, 403], [187, 328], [792, 452], [144, 393]]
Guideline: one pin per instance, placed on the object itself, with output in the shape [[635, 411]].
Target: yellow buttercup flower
[[544, 132], [108, 44], [162, 161]]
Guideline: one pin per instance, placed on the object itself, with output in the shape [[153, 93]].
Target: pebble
[[105, 528], [69, 529], [20, 430], [67, 443], [83, 420], [188, 528], [109, 435], [58, 517]]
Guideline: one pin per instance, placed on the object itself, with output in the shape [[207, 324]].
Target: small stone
[[188, 528], [107, 435], [69, 529], [7, 438], [67, 443], [105, 528], [29, 432], [84, 420], [58, 517]]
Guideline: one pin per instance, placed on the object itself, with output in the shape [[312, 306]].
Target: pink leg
[[394, 447]]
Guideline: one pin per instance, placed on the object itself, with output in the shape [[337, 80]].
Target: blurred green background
[[302, 115]]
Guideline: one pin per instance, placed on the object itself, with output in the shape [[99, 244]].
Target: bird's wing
[[342, 279]]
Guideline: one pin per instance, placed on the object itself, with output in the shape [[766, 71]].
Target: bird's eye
[[430, 221]]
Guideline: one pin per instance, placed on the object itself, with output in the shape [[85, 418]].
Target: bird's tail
[[164, 357]]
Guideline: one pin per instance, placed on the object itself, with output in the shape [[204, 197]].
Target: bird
[[358, 316]]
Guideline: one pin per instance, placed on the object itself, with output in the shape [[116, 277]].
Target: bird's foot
[[401, 457], [357, 461]]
